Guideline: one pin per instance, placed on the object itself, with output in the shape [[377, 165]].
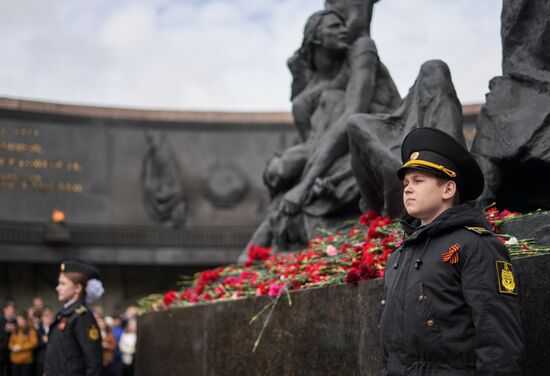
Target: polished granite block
[[327, 331], [533, 227]]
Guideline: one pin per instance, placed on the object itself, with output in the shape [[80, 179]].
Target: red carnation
[[352, 277], [368, 258], [169, 298], [366, 272], [365, 219], [257, 253]]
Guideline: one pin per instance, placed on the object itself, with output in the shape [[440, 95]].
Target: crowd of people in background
[[24, 338]]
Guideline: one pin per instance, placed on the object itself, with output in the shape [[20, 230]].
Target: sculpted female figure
[[343, 78], [334, 76]]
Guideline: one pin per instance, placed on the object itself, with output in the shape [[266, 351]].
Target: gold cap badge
[[63, 267], [414, 156]]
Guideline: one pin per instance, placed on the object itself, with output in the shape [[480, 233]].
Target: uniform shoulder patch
[[93, 333], [80, 310], [478, 230], [505, 278]]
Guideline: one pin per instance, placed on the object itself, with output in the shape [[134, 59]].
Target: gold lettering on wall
[[21, 147], [15, 166], [30, 132], [35, 182], [41, 164]]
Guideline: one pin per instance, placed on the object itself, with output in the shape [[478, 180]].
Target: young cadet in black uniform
[[74, 341], [450, 293]]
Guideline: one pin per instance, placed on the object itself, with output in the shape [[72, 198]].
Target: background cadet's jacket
[[74, 344], [450, 301]]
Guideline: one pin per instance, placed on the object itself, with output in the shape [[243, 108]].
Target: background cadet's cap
[[434, 151], [90, 271]]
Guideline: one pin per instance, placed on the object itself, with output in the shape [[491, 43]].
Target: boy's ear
[[450, 190]]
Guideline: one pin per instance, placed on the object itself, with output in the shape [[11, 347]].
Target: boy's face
[[423, 197]]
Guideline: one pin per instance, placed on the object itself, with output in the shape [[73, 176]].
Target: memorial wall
[[109, 171], [135, 178], [140, 192]]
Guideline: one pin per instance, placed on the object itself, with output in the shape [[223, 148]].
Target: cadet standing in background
[[74, 341]]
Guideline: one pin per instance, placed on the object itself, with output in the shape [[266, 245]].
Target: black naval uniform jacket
[[453, 317], [74, 344]]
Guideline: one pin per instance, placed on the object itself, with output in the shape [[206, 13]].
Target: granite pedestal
[[327, 331]]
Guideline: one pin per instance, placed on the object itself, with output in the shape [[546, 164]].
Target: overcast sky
[[221, 54]]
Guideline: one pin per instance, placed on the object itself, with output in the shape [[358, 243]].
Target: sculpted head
[[324, 29], [282, 171]]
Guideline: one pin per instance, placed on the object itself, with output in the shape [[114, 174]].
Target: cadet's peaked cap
[[90, 271], [437, 152]]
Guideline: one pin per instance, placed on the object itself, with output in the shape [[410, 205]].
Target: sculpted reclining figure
[[375, 139]]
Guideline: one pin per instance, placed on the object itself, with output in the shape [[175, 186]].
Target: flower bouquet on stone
[[335, 258], [355, 255]]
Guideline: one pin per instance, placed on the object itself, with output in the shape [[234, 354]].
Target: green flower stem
[[273, 304]]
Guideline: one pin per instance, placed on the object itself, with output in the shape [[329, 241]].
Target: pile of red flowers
[[356, 255], [496, 217]]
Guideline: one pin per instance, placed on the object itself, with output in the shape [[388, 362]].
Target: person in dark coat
[[4, 351], [46, 320], [7, 327], [74, 340], [450, 304]]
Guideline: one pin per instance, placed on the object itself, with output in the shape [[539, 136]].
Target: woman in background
[[127, 346], [108, 344], [22, 342]]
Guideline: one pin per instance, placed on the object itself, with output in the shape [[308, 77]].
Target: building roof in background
[[162, 115]]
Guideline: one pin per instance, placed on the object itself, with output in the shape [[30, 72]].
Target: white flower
[[94, 290], [512, 241]]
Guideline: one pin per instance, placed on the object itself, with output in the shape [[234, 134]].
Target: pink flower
[[275, 289], [332, 251]]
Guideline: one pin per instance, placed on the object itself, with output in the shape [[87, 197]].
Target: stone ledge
[[327, 331], [533, 227]]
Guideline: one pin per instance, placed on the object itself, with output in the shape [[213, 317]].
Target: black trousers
[[21, 370], [5, 369]]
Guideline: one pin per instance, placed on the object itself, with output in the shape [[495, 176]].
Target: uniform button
[[382, 302], [430, 323], [420, 297]]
